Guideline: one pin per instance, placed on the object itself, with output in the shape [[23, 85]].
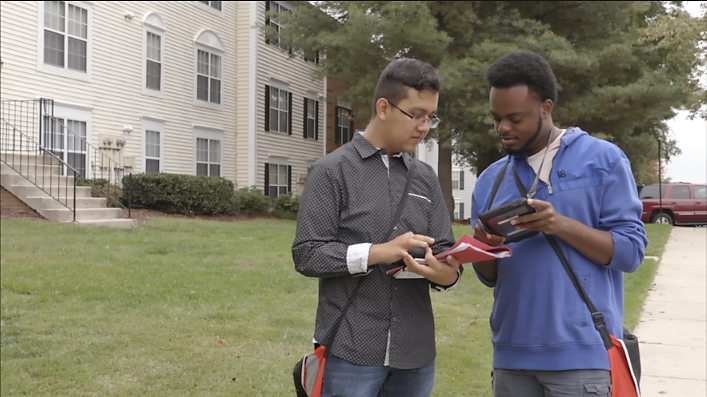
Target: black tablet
[[498, 220]]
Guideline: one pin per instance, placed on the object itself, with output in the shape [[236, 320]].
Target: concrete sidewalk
[[672, 327]]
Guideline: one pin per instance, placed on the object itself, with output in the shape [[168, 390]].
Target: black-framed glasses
[[419, 120]]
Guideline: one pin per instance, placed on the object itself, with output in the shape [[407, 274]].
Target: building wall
[[10, 203], [428, 152], [114, 94], [276, 67]]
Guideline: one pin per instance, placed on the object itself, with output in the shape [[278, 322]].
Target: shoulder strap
[[393, 222], [497, 182], [597, 316]]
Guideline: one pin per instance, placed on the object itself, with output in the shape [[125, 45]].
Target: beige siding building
[[174, 87]]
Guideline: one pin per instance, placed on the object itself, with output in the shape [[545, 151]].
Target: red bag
[[309, 373], [623, 379]]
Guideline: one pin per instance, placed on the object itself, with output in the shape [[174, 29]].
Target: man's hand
[[491, 240], [396, 249], [442, 273], [545, 219]]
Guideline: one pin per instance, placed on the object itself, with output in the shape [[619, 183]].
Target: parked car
[[683, 203]]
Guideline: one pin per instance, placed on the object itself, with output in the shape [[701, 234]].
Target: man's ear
[[382, 108], [546, 108]]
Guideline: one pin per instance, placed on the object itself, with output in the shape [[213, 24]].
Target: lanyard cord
[[534, 186]]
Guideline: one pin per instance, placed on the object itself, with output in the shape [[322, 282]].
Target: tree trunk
[[444, 173]]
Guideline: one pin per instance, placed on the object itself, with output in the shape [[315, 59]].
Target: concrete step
[[28, 190], [122, 222], [52, 203], [30, 168], [28, 157], [82, 214]]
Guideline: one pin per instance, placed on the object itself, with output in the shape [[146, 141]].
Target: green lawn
[[180, 307]]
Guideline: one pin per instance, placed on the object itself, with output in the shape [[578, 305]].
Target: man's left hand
[[545, 219], [442, 273]]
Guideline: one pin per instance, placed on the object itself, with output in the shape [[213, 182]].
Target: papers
[[466, 250]]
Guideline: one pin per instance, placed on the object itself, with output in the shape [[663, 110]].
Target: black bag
[[631, 343]]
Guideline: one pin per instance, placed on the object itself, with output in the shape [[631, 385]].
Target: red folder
[[467, 250]]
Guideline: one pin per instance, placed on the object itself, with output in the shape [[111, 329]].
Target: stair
[[57, 189]]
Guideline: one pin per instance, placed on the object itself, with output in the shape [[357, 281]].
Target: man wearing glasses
[[385, 345]]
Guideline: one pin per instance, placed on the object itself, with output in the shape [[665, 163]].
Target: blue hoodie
[[539, 321]]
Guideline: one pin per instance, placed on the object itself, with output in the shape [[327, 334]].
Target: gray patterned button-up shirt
[[350, 198]]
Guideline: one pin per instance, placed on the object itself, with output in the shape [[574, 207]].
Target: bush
[[287, 202], [252, 201], [183, 194], [102, 188]]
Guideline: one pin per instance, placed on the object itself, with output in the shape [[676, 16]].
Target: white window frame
[[315, 132], [157, 125], [65, 71], [153, 23], [281, 162], [209, 41], [210, 9], [278, 25], [286, 89], [212, 134], [459, 211], [343, 138]]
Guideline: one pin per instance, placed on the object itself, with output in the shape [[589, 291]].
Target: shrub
[[183, 194], [287, 202], [252, 201], [102, 188]]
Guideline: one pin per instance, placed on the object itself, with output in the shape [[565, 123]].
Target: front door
[[66, 139]]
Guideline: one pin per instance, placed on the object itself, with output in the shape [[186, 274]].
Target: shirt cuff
[[438, 287], [357, 258]]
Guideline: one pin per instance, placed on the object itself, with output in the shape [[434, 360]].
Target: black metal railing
[[95, 167], [19, 152]]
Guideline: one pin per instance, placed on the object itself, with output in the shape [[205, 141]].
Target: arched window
[[153, 54], [208, 58]]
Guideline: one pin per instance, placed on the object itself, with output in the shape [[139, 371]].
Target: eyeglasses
[[419, 120]]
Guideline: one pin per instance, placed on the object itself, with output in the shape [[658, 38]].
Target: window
[[276, 8], [681, 192], [701, 192], [650, 192], [152, 151], [278, 110], [208, 77], [152, 144], [208, 58], [153, 55], [344, 125], [314, 59], [66, 139], [277, 180], [216, 5], [311, 119], [64, 39], [208, 157], [458, 180], [459, 211], [153, 66]]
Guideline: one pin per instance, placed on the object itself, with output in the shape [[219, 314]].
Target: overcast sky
[[691, 135]]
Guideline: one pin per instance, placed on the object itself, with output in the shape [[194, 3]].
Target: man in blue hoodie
[[544, 339]]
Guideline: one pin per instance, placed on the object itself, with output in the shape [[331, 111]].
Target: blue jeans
[[345, 379]]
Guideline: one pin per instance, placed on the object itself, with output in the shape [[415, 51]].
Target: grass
[[180, 307]]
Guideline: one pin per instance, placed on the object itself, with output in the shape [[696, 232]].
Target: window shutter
[[461, 211], [267, 179], [267, 21], [289, 114], [289, 178], [304, 115], [337, 128], [267, 105], [461, 181], [316, 120]]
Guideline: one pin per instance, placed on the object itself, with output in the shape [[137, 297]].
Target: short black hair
[[401, 74], [524, 68]]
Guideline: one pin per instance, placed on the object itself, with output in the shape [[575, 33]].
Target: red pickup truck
[[683, 203]]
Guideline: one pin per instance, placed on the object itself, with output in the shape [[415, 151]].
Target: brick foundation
[[10, 203]]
